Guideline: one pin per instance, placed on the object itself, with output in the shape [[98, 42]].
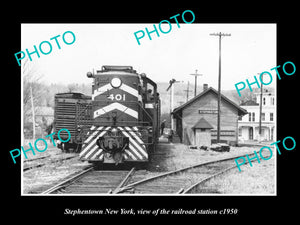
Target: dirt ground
[[256, 180], [169, 156]]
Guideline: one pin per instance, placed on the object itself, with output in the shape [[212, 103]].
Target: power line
[[187, 91], [220, 35]]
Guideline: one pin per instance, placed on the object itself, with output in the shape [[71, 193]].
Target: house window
[[271, 117], [249, 117], [264, 101], [263, 116], [240, 118], [253, 116]]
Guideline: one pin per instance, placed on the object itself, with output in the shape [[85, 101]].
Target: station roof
[[241, 111]]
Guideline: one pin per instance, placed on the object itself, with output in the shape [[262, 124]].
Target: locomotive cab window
[[150, 92]]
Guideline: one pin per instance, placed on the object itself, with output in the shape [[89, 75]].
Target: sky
[[251, 49]]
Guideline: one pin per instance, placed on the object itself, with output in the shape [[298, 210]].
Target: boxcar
[[68, 110]]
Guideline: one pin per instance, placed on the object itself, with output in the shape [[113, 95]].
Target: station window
[[249, 117], [253, 116]]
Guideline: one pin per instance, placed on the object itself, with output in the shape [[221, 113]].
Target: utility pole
[[33, 114], [260, 107], [187, 91], [171, 82], [219, 83], [196, 75]]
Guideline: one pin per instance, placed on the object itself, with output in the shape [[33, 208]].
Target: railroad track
[[91, 181], [181, 181], [30, 167]]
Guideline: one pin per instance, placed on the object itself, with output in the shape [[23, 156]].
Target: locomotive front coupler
[[113, 148], [113, 145]]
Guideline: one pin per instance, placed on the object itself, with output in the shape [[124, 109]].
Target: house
[[200, 114], [249, 124]]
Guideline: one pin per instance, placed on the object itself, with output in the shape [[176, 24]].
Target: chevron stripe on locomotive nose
[[113, 106], [137, 150], [136, 145], [90, 148], [108, 87]]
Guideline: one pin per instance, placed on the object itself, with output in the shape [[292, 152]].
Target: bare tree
[[72, 87], [32, 92]]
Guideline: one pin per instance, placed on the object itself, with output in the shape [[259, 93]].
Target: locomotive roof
[[117, 70], [121, 73]]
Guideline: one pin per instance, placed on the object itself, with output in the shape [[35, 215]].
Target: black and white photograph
[[183, 112], [130, 112]]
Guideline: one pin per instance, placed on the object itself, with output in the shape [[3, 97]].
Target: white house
[[249, 124]]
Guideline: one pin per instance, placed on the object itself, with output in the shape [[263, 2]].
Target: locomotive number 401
[[117, 97]]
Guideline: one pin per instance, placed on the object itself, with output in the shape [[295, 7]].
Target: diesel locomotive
[[125, 114]]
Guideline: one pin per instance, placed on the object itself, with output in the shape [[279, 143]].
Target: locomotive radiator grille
[[136, 151]]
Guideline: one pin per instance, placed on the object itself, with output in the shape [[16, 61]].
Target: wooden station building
[[196, 120]]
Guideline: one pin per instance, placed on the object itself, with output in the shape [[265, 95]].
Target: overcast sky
[[249, 50]]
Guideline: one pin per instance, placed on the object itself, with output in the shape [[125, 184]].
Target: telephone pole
[[219, 83], [187, 91], [171, 86], [196, 75], [33, 114], [260, 107]]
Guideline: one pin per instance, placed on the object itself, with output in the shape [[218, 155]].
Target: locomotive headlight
[[116, 82], [114, 131]]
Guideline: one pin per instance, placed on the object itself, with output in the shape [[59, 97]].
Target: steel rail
[[132, 185], [185, 191], [124, 181], [33, 159], [44, 164], [189, 189], [67, 182]]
